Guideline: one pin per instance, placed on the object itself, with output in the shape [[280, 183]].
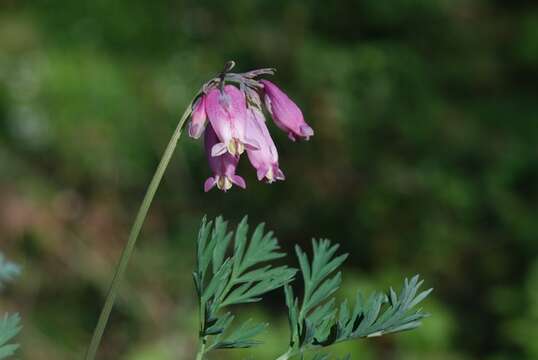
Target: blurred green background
[[425, 160]]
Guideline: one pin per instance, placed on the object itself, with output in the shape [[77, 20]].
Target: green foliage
[[9, 324], [425, 117], [318, 323], [222, 280]]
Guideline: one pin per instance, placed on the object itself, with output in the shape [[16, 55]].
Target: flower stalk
[[231, 119], [133, 236]]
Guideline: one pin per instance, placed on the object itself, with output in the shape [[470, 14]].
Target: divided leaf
[[242, 337], [244, 276], [10, 324], [316, 314], [318, 322], [9, 328], [238, 278]]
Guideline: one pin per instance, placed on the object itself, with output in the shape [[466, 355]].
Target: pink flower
[[229, 109], [198, 118], [285, 112], [222, 166], [227, 113], [264, 159]]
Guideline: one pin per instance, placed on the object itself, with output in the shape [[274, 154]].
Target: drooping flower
[[230, 111], [223, 166], [198, 118], [285, 112], [227, 112], [264, 159]]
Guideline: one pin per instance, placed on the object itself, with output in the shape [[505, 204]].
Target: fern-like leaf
[[221, 280], [9, 323], [242, 337], [319, 323], [383, 313], [9, 328]]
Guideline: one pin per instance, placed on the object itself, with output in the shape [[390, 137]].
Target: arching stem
[[133, 236]]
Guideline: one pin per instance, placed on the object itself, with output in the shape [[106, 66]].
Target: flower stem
[[133, 236]]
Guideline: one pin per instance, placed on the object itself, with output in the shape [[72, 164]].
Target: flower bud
[[285, 112], [198, 118]]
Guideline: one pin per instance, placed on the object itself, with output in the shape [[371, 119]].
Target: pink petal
[[306, 131], [198, 118], [239, 181], [285, 112], [261, 172], [209, 184], [251, 144], [279, 174], [218, 149]]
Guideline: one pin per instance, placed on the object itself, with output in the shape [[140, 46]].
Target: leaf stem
[[201, 348], [286, 355], [227, 289], [133, 236]]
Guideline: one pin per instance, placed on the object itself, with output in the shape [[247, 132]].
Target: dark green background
[[425, 160]]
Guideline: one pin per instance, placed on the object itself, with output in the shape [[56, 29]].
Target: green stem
[[286, 355], [133, 236], [201, 349]]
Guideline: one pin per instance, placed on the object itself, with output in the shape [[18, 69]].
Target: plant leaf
[[9, 328], [242, 277], [242, 337], [317, 323]]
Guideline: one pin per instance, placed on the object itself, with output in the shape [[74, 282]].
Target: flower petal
[[285, 112], [209, 184], [239, 181], [198, 119], [218, 149]]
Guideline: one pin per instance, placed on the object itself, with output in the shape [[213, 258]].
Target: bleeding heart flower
[[223, 166], [285, 112], [232, 104], [264, 159], [227, 112]]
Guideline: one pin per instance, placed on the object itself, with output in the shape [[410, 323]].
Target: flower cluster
[[229, 113]]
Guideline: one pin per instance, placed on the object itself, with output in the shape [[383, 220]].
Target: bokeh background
[[425, 160]]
